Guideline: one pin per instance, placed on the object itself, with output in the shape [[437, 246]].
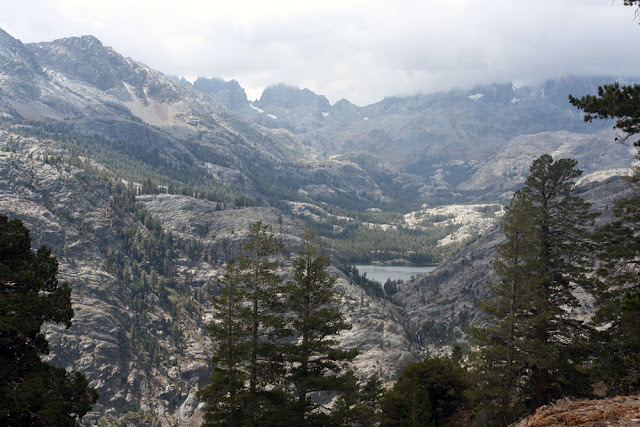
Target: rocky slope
[[79, 86], [507, 169], [139, 330]]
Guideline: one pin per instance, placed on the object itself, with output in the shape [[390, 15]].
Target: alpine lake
[[381, 273]]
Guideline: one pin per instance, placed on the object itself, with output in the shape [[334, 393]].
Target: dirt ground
[[616, 411]]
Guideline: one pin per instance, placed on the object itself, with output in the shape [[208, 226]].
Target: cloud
[[359, 50]]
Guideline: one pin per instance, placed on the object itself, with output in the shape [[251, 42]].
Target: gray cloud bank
[[358, 50]]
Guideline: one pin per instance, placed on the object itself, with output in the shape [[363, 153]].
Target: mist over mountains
[[144, 185]]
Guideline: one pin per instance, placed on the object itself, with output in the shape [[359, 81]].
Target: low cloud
[[358, 50]]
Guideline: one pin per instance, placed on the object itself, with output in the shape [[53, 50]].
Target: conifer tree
[[613, 101], [226, 395], [33, 392], [617, 337], [261, 287], [500, 358], [534, 345], [618, 297], [426, 393], [553, 336], [316, 364]]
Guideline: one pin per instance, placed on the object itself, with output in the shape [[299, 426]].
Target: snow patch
[[514, 100], [325, 114], [272, 116], [366, 118], [259, 110], [476, 96]]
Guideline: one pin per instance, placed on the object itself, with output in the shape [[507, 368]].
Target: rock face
[[229, 94], [77, 85], [507, 169]]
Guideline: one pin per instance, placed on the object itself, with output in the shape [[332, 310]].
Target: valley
[[144, 185]]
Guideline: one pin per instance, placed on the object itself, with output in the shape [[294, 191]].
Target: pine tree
[[33, 392], [535, 333], [500, 359], [561, 223], [618, 297], [262, 289], [316, 363], [426, 393], [226, 395], [613, 102], [246, 381]]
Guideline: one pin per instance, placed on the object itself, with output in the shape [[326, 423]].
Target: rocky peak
[[291, 97], [346, 111], [83, 58], [13, 48], [18, 68], [228, 93]]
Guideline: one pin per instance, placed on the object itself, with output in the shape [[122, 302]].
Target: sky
[[358, 50]]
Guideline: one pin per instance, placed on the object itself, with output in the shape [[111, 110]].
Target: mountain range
[[144, 184]]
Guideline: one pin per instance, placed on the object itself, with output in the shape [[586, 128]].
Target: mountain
[[144, 185], [443, 137], [86, 88], [143, 188]]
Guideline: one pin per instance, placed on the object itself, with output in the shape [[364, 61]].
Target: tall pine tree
[[246, 382], [316, 363], [264, 317], [501, 359], [226, 395], [618, 297], [535, 343], [553, 335]]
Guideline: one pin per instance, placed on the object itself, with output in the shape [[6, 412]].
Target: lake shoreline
[[400, 263], [382, 273]]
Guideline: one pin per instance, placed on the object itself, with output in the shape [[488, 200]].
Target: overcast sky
[[358, 50]]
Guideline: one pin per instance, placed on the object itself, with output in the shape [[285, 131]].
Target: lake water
[[382, 272]]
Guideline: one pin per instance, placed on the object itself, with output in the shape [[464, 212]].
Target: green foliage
[[261, 288], [534, 347], [248, 329], [276, 344], [500, 359], [391, 287], [613, 102], [226, 395], [371, 287], [314, 320], [426, 393], [33, 392], [617, 338], [364, 244]]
